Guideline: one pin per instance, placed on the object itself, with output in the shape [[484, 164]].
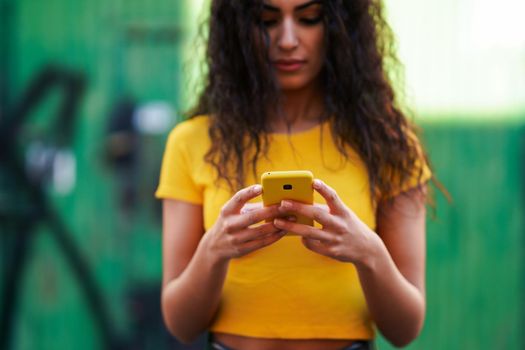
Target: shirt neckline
[[304, 132]]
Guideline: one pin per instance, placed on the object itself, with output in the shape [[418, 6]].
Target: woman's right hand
[[232, 236]]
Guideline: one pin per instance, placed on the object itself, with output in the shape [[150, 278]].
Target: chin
[[292, 83]]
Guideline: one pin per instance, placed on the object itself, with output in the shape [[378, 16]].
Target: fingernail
[[257, 188], [292, 218], [278, 222], [317, 182], [286, 204]]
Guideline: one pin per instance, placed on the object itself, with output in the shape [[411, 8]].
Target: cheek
[[317, 50], [272, 36], [318, 45]]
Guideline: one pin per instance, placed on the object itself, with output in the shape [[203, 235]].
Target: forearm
[[190, 301], [397, 306]]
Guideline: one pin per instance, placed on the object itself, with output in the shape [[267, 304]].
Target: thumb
[[250, 207]]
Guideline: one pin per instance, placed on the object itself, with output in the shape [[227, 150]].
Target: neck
[[299, 109]]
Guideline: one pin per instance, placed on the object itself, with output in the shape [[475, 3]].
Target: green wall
[[475, 274], [122, 48]]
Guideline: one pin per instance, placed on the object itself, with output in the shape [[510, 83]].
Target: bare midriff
[[237, 342]]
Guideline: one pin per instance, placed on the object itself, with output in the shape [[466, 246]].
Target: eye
[[269, 22], [312, 15], [269, 19], [310, 21]]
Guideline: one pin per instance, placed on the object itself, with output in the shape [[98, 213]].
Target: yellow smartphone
[[294, 185]]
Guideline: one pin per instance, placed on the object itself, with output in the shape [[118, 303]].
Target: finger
[[239, 222], [322, 206], [335, 203], [261, 243], [251, 206], [306, 231], [258, 215], [253, 233], [239, 199], [316, 246], [318, 213]]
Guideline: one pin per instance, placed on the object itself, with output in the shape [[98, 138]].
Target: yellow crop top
[[283, 290]]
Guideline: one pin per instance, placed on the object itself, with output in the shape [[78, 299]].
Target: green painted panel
[[475, 244], [122, 48]]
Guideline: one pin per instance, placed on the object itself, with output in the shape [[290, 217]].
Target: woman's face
[[296, 32]]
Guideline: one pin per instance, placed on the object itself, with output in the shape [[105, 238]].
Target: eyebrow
[[296, 8]]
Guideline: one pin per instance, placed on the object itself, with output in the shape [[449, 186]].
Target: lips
[[289, 65]]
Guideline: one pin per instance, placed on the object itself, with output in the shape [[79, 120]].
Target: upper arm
[[401, 226], [182, 229]]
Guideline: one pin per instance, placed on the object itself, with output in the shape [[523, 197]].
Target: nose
[[288, 39]]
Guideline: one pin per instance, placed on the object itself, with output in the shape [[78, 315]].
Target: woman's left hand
[[343, 236]]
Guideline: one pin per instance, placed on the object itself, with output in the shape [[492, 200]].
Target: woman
[[295, 85]]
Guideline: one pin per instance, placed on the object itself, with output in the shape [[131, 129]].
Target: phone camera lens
[[287, 187]]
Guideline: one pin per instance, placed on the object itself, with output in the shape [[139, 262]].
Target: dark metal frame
[[37, 208]]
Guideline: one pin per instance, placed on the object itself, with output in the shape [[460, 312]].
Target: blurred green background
[[86, 219]]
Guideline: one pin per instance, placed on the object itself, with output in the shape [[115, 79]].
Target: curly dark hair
[[240, 90]]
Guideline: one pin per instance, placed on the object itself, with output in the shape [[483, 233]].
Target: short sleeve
[[419, 174], [176, 175]]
